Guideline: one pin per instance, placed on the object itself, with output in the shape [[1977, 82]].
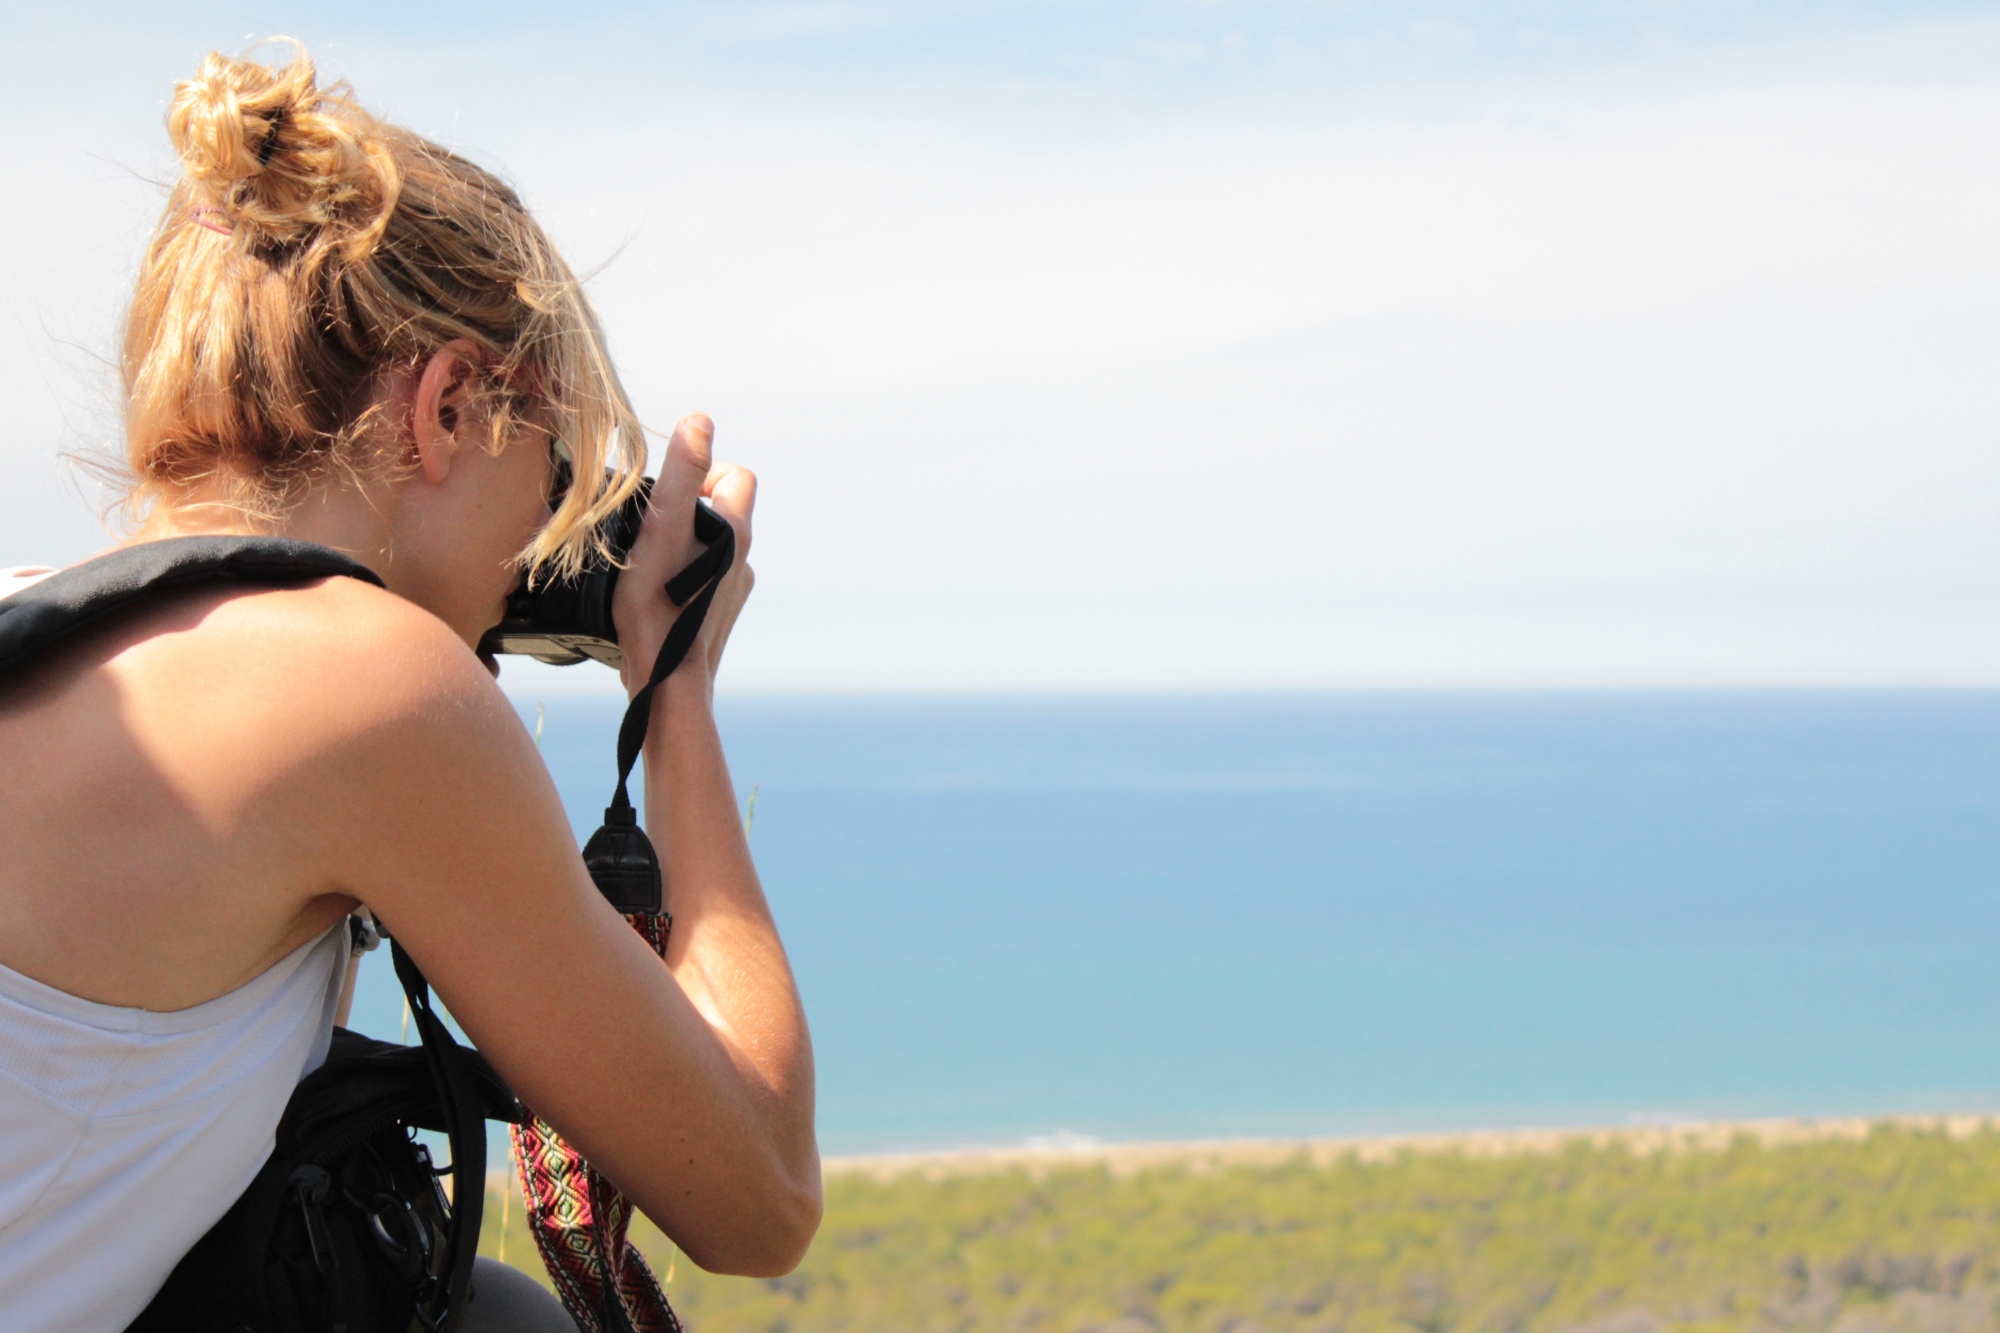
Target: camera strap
[[579, 1220], [619, 855]]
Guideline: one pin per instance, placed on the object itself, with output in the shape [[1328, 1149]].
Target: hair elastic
[[200, 218]]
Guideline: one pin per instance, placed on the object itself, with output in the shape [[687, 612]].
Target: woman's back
[[150, 1037]]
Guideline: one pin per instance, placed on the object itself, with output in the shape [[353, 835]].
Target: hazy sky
[[1202, 344]]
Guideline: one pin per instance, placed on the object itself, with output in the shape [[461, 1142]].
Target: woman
[[345, 334]]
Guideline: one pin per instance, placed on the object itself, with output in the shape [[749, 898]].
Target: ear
[[445, 386]]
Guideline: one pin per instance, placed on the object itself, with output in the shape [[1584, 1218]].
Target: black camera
[[564, 621]]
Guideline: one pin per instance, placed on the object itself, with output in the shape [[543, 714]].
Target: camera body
[[564, 621]]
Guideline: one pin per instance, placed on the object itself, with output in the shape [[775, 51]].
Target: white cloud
[[1554, 383], [837, 259]]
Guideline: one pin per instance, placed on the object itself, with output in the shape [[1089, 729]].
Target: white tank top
[[125, 1134]]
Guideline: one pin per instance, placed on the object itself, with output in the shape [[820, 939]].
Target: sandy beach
[[1126, 1158]]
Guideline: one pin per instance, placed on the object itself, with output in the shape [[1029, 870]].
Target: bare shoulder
[[350, 640], [332, 696], [256, 759], [339, 657]]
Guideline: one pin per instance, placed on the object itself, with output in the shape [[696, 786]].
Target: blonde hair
[[308, 246]]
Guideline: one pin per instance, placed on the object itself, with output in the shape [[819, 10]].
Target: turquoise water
[[1189, 917]]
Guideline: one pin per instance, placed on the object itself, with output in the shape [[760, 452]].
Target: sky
[[1114, 346]]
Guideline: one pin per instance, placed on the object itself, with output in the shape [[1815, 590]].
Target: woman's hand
[[667, 543]]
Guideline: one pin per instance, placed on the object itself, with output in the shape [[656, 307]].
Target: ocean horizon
[[1169, 917]]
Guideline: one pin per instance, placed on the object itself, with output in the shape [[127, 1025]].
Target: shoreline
[[1125, 1159]]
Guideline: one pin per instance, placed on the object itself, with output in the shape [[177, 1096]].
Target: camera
[[563, 621]]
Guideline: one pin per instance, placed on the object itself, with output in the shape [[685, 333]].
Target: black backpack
[[345, 1229]]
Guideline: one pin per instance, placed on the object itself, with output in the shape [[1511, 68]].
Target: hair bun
[[275, 152]]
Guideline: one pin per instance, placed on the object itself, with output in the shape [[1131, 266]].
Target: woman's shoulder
[[298, 673], [341, 646], [228, 744], [354, 626], [329, 708]]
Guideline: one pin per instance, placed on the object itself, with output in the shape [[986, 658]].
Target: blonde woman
[[345, 334]]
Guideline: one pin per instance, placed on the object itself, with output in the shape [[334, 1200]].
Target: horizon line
[[612, 693]]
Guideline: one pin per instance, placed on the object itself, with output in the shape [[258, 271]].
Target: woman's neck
[[356, 522], [380, 525]]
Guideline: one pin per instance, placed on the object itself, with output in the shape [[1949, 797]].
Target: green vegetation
[[1892, 1234]]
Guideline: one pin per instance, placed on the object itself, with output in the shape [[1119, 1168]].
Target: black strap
[[464, 1113], [619, 856], [69, 600], [693, 589]]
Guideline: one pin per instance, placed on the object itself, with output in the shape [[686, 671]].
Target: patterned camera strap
[[580, 1221]]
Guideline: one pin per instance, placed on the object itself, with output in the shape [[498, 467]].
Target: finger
[[692, 445], [734, 479], [686, 464], [733, 492]]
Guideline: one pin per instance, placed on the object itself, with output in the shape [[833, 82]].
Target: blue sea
[[1205, 916]]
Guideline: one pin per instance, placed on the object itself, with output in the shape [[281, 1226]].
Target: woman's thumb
[[691, 449]]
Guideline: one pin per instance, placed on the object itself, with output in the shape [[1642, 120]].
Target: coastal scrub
[[1890, 1233]]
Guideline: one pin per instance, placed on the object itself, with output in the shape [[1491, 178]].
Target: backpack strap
[[465, 1115], [43, 614]]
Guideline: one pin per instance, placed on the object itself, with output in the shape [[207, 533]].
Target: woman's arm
[[690, 1084], [724, 948]]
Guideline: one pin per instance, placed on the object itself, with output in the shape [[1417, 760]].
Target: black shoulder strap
[[43, 614], [465, 1116]]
